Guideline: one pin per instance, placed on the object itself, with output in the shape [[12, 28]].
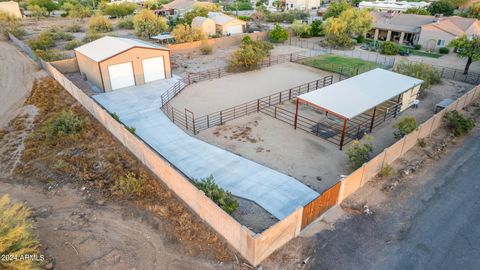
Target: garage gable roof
[[356, 95], [106, 47]]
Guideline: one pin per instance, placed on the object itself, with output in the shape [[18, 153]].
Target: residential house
[[302, 4], [392, 5], [431, 32], [227, 25]]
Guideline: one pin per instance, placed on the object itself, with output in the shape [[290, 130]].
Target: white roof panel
[[354, 96], [105, 47]]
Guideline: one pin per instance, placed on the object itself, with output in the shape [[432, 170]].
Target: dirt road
[[16, 77]]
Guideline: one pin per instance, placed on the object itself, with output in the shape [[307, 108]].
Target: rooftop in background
[[413, 23], [222, 19], [105, 47], [354, 96], [180, 4], [392, 5]]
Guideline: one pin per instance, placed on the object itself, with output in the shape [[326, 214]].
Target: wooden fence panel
[[321, 204]]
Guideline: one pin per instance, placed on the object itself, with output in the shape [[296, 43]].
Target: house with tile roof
[[431, 32]]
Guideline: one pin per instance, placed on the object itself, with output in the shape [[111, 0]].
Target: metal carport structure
[[350, 98]]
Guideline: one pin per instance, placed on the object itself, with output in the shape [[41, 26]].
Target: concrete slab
[[138, 107]]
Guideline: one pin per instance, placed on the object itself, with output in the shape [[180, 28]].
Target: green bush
[[91, 36], [132, 129], [119, 9], [389, 48], [243, 18], [316, 28], [115, 116], [99, 23], [249, 55], [387, 171], [65, 123], [222, 198], [405, 126], [73, 44], [125, 22], [359, 152], [130, 185], [43, 41], [300, 28], [425, 72], [278, 34], [444, 50], [51, 55], [16, 235], [417, 47], [458, 123]]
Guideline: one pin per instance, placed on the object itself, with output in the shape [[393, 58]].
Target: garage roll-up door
[[121, 75], [234, 29], [153, 69]]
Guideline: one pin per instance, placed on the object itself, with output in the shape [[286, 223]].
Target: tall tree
[[147, 24], [418, 11], [444, 7], [351, 23], [336, 8], [467, 47]]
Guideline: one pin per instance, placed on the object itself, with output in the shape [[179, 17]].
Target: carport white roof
[[105, 47], [353, 96]]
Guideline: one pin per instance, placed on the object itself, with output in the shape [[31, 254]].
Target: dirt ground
[[81, 221], [373, 226], [183, 63], [218, 94], [313, 161], [14, 91]]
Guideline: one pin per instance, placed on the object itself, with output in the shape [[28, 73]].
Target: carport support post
[[343, 133], [373, 118], [296, 115]]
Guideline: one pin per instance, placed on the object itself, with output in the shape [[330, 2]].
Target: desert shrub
[[91, 36], [249, 55], [125, 22], [58, 34], [147, 24], [359, 152], [99, 23], [278, 34], [130, 185], [73, 28], [417, 46], [77, 10], [9, 23], [387, 171], [222, 198], [115, 116], [458, 123], [184, 33], [43, 41], [37, 11], [422, 71], [131, 129], [405, 126], [287, 17], [51, 55], [243, 18], [65, 123], [422, 142], [389, 48], [206, 48], [73, 44], [444, 50], [119, 9], [16, 235]]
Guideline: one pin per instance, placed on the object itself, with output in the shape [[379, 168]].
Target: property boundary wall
[[219, 43], [253, 247]]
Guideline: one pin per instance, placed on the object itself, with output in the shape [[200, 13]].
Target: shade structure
[[353, 96]]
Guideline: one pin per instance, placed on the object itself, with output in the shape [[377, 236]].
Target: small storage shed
[[11, 8], [362, 102], [112, 63], [227, 25], [206, 24]]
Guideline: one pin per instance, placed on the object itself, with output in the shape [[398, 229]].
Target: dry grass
[[93, 159]]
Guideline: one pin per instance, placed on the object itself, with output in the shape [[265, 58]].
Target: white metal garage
[[153, 69], [121, 75]]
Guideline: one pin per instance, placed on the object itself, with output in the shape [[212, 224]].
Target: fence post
[[221, 118], [258, 105], [208, 121], [290, 94], [291, 57], [219, 73], [186, 120], [280, 99]]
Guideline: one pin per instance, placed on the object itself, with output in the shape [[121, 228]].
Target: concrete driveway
[[138, 107]]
